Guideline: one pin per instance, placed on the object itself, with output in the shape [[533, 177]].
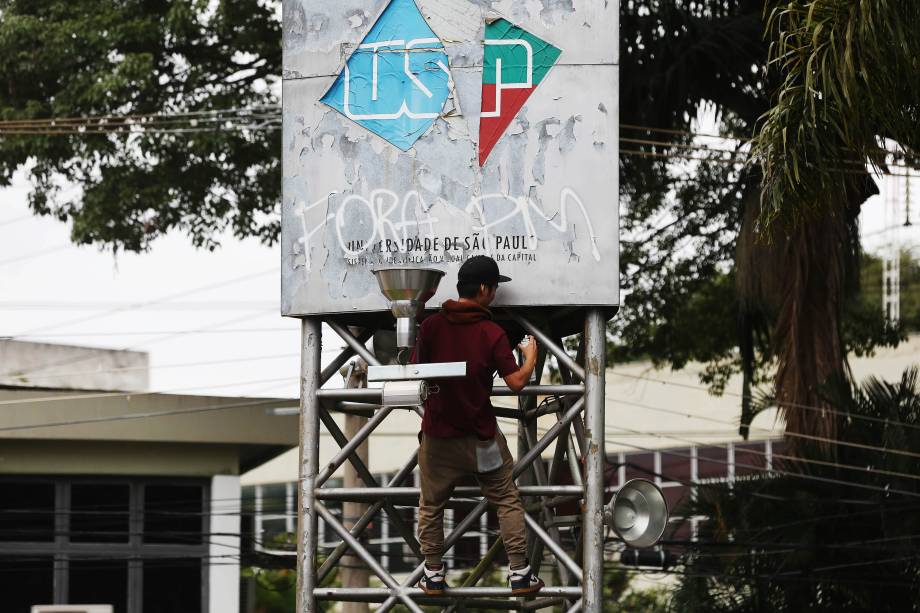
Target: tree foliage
[[790, 543], [839, 66], [143, 57], [680, 218], [700, 282], [848, 82]]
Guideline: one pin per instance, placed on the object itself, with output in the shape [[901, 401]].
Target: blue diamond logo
[[396, 82]]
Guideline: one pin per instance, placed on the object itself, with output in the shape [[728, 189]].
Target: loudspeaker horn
[[638, 513]]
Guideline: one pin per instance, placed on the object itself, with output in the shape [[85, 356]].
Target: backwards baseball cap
[[480, 269]]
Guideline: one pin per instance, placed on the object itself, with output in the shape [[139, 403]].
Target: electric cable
[[806, 477], [147, 368], [270, 117], [141, 303], [789, 404], [891, 450], [201, 305], [36, 254], [100, 334]]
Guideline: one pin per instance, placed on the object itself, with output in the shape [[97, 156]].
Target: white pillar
[[224, 548]]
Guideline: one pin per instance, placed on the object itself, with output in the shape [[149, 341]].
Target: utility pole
[[354, 571]]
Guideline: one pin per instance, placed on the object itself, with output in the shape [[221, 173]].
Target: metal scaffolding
[[578, 434]]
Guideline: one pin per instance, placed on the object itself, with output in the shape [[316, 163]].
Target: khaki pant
[[442, 463]]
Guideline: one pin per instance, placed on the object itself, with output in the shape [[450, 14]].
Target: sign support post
[[593, 524], [310, 353]]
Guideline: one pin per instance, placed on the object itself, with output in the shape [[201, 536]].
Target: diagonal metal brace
[[545, 340], [349, 448], [329, 564], [388, 580], [354, 343], [554, 547], [522, 464], [365, 474]]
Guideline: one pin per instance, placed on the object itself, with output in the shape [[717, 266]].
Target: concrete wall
[[70, 367], [56, 457], [36, 414], [224, 551]]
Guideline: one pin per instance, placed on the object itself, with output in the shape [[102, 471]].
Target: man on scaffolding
[[460, 436]]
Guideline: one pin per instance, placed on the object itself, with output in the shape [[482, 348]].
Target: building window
[[99, 581], [27, 511], [24, 583], [135, 544], [172, 585], [172, 514], [100, 512]]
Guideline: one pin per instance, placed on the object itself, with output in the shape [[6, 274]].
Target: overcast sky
[[53, 291], [228, 339]]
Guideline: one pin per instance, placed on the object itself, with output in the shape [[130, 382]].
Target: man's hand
[[517, 380], [528, 348]]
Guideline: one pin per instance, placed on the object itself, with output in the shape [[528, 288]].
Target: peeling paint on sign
[[396, 82], [515, 63], [397, 180]]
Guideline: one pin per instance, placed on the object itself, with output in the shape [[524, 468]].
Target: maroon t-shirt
[[463, 332]]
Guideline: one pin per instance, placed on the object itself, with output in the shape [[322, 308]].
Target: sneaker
[[432, 582], [524, 581]]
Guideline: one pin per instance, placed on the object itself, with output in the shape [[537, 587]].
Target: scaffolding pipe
[[540, 390], [381, 593], [576, 608], [361, 494], [554, 547], [370, 482], [365, 519], [593, 524], [347, 352], [522, 464], [356, 345], [546, 341], [310, 352], [374, 395], [374, 565], [353, 444]]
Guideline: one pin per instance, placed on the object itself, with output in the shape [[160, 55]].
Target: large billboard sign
[[423, 132]]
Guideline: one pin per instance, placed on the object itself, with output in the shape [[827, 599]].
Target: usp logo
[[515, 62], [396, 82]]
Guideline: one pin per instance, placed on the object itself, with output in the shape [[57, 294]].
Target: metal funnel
[[413, 284], [408, 289]]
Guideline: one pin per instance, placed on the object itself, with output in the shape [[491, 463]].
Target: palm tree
[[841, 74], [825, 535], [847, 73]]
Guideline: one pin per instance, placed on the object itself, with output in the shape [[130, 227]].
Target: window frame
[[135, 550]]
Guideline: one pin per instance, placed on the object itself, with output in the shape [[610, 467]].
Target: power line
[[144, 344], [35, 254], [224, 305], [806, 407], [144, 303], [93, 396], [143, 333], [863, 470], [809, 437], [14, 220], [883, 490], [135, 116], [165, 366], [132, 306]]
